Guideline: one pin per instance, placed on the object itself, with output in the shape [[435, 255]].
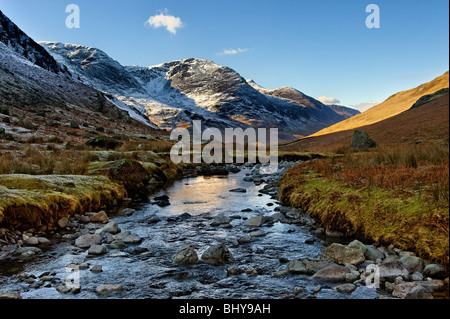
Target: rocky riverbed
[[219, 233]]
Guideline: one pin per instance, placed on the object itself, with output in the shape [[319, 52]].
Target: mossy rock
[[103, 141], [361, 139], [131, 174]]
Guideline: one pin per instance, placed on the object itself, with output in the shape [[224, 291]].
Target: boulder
[[333, 273], [131, 174], [105, 142], [361, 139], [413, 263], [435, 271], [217, 254], [220, 220], [186, 255], [86, 241], [100, 217], [372, 253], [62, 223], [255, 221], [105, 289], [111, 228], [358, 244], [391, 270], [345, 288], [343, 254], [97, 250]]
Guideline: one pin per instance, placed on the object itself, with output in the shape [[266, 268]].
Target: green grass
[[27, 200], [406, 221]]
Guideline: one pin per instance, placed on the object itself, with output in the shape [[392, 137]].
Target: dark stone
[[361, 139]]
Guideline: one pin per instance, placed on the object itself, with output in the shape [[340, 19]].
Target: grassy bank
[[29, 201], [398, 197]]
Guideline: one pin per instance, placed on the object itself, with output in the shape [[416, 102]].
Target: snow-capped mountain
[[19, 42], [31, 78], [175, 93]]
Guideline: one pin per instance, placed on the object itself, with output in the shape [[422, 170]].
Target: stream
[[147, 270]]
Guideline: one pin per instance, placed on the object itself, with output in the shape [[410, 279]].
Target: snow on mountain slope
[[19, 42], [174, 94]]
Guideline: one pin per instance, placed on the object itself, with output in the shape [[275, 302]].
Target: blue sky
[[322, 47]]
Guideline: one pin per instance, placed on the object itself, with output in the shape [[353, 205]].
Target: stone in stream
[[391, 270], [238, 190], [234, 271], [100, 217], [435, 271], [96, 269], [186, 255], [358, 244], [86, 241], [345, 288], [97, 250], [343, 254], [43, 241], [333, 273], [62, 223], [255, 221], [105, 289], [220, 220], [372, 253], [32, 241], [413, 263], [112, 228], [10, 295], [217, 254]]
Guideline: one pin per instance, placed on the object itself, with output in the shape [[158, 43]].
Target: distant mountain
[[394, 105], [328, 113], [175, 93]]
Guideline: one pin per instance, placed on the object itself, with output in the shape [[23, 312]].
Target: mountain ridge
[[394, 105], [174, 93]]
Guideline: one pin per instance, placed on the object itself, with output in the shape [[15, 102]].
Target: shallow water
[[152, 273]]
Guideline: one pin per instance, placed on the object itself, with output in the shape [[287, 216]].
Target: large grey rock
[[418, 292], [358, 244], [361, 139], [413, 263], [112, 228], [97, 250], [86, 241], [333, 273], [343, 254], [435, 271], [186, 255], [217, 254], [372, 253], [391, 270], [255, 221], [413, 290], [24, 250]]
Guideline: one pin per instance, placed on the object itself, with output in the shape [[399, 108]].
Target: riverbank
[[400, 204]]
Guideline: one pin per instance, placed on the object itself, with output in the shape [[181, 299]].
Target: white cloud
[[171, 23], [364, 106], [232, 51], [328, 100]]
